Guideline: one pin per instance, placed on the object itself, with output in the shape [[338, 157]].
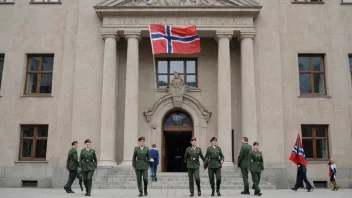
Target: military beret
[[193, 138], [141, 138], [213, 138]]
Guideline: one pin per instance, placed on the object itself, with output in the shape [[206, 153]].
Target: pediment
[[177, 3]]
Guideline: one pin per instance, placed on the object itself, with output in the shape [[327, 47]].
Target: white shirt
[[141, 147], [214, 147], [87, 149], [194, 147]]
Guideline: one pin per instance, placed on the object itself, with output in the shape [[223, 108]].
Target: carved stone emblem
[[177, 89]]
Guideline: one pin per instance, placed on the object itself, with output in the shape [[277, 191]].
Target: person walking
[[302, 176], [88, 161], [214, 160], [72, 166], [332, 174], [154, 161], [242, 163], [140, 163], [191, 157], [256, 166]]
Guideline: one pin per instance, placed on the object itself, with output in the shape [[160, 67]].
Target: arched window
[[178, 119]]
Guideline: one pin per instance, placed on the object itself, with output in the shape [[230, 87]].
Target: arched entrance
[[177, 131]]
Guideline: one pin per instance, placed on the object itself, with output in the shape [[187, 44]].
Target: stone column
[[248, 91], [224, 94], [109, 100], [131, 97]]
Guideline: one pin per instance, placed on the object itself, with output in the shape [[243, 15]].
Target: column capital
[[246, 35], [133, 34], [223, 34], [110, 35]]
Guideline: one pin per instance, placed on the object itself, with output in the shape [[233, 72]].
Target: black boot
[[67, 189], [145, 191], [294, 188], [245, 192], [218, 188], [259, 193], [140, 194], [198, 187], [71, 191], [192, 194], [212, 192]]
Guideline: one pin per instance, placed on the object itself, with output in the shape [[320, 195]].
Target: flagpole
[[154, 66]]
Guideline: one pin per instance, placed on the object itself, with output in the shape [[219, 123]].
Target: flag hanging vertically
[[297, 154], [167, 39]]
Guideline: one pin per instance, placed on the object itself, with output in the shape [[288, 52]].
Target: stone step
[[111, 175], [176, 183], [235, 187], [224, 179]]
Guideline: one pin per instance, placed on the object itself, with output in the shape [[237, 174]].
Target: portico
[[131, 19]]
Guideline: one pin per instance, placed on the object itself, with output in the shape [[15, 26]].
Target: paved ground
[[109, 193]]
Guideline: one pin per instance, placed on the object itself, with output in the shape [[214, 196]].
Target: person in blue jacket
[[154, 161]]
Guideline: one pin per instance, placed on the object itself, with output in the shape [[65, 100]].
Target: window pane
[[305, 83], [319, 84], [2, 60], [350, 60], [26, 148], [176, 66], [28, 131], [304, 63], [320, 132], [347, 1], [0, 80], [34, 62], [308, 148], [45, 83], [322, 149], [40, 149], [307, 132], [47, 63], [317, 64], [32, 83], [163, 81], [42, 132], [162, 67], [191, 80], [191, 67]]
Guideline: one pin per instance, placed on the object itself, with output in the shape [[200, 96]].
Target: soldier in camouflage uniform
[[214, 160], [256, 166], [140, 163], [191, 157], [72, 166], [88, 161]]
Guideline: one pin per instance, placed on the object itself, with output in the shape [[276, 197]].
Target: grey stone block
[[12, 182], [2, 171], [45, 183], [349, 170], [60, 176]]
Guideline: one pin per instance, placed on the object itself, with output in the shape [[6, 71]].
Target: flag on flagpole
[[167, 39], [297, 154]]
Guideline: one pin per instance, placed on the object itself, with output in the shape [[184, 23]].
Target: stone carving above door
[[177, 94], [237, 3]]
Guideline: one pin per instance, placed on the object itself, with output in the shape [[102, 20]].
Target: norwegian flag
[[297, 154], [167, 39]]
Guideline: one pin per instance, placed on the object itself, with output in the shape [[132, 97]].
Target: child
[[332, 174]]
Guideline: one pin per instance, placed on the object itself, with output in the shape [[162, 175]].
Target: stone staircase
[[125, 178]]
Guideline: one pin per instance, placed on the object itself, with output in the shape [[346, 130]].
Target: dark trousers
[[244, 172], [256, 179], [71, 178], [140, 174], [153, 168], [302, 177], [193, 173], [217, 173], [87, 180]]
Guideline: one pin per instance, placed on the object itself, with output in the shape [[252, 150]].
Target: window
[[346, 1], [6, 1], [311, 74], [33, 142], [349, 59], [187, 69], [315, 142], [39, 74], [178, 119], [45, 1], [2, 59], [309, 1]]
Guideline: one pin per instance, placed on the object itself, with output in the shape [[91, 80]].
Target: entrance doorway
[[177, 132]]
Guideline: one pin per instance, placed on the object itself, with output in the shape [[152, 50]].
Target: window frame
[[307, 2], [45, 2], [314, 138], [312, 72], [344, 3], [39, 72], [2, 71], [34, 138], [349, 64], [169, 73], [8, 2]]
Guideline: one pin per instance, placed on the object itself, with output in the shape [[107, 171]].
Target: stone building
[[77, 69]]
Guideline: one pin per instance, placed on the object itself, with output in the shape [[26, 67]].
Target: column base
[[107, 163]]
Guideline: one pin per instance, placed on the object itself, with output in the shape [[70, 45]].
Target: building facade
[[77, 69]]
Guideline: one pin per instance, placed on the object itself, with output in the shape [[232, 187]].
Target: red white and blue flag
[[167, 39], [297, 154]]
